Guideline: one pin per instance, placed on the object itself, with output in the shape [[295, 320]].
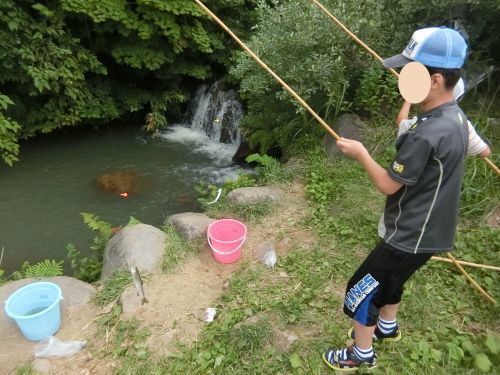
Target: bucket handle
[[221, 253]]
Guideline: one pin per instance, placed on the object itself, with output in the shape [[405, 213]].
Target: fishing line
[[316, 116]]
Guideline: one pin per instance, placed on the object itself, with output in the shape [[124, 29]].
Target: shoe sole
[[350, 334], [344, 369]]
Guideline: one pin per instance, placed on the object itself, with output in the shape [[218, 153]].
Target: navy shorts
[[379, 281]]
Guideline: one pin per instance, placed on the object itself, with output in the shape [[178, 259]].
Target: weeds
[[124, 340], [113, 287], [246, 212], [177, 249]]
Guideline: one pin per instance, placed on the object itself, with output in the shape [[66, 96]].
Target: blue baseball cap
[[436, 47]]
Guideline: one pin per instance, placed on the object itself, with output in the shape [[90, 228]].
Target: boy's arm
[[476, 145], [354, 149], [404, 112]]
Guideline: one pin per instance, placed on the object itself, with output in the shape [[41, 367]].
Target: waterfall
[[217, 113], [211, 123]]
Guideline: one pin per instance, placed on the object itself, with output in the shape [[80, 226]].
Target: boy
[[476, 145], [422, 185]]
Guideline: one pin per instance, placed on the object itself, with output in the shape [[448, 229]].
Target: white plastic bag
[[53, 347], [210, 314], [267, 254]]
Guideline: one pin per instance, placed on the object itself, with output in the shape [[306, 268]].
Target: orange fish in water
[[122, 182]]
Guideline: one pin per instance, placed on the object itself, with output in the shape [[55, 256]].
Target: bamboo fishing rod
[[377, 57], [271, 72], [313, 113], [470, 264]]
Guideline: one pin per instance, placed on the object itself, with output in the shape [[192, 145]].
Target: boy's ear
[[437, 81]]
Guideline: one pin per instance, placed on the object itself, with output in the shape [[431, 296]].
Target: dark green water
[[42, 196]]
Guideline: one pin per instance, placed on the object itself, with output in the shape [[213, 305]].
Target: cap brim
[[396, 61]]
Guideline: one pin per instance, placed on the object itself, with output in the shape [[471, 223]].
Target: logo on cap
[[411, 46]]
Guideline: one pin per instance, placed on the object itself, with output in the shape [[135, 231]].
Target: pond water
[[62, 175]]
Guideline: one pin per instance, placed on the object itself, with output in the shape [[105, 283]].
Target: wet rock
[[138, 245], [255, 195], [190, 225], [75, 293], [243, 151], [348, 126]]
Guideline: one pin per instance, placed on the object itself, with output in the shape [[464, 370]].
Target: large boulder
[[75, 293], [255, 195], [190, 225], [138, 245], [348, 126]]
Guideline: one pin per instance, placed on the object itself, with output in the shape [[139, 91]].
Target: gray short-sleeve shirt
[[421, 217]]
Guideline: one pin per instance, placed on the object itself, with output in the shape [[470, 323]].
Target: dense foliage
[[330, 71], [68, 62]]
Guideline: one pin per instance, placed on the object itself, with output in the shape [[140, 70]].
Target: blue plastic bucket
[[35, 308]]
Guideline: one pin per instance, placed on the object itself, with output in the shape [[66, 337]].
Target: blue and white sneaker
[[394, 336], [344, 360]]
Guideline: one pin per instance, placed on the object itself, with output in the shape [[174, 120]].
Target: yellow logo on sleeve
[[398, 167]]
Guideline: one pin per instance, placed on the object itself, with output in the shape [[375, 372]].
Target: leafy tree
[[311, 54], [70, 62], [329, 70]]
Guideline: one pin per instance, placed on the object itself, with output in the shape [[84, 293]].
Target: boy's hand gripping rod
[[376, 56], [306, 106]]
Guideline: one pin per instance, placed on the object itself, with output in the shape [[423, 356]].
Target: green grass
[[247, 212], [177, 249], [113, 287], [26, 369], [124, 340]]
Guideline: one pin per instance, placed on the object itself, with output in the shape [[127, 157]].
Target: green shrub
[[113, 287], [89, 268], [270, 169], [45, 268]]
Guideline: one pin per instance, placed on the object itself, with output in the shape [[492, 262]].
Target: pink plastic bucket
[[226, 237]]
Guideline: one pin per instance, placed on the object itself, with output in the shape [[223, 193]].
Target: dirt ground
[[177, 301]]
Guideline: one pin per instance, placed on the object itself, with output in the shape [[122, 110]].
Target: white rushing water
[[211, 124], [211, 128]]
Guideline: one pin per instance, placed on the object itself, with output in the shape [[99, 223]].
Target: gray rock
[[190, 225], [138, 245], [75, 293], [348, 126], [255, 195]]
